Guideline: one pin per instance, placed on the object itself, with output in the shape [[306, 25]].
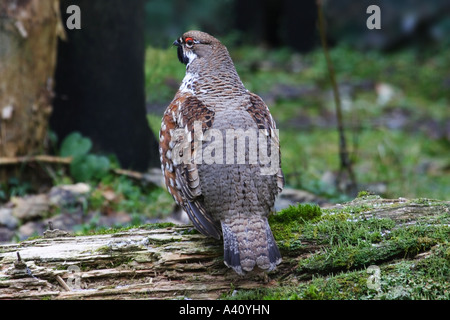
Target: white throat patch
[[187, 85], [191, 56]]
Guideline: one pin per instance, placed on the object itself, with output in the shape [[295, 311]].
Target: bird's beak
[[177, 43]]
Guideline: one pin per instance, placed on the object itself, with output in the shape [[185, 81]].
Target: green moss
[[301, 212], [412, 254], [352, 285], [363, 194], [190, 231], [287, 224], [104, 250], [351, 249], [35, 237], [104, 230], [406, 279], [159, 225], [426, 278]]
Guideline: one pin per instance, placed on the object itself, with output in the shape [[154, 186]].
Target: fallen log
[[166, 261]]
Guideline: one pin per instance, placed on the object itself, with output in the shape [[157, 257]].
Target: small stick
[[62, 283]]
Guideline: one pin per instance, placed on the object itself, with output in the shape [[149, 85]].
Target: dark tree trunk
[[300, 24], [277, 23], [100, 81]]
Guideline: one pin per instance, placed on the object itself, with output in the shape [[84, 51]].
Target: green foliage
[[110, 192], [13, 188], [301, 212], [84, 166], [154, 121], [410, 161], [130, 197], [398, 158], [87, 167], [163, 74], [75, 145]]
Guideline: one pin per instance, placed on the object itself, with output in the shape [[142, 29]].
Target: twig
[[38, 158], [346, 164], [47, 159], [62, 283]]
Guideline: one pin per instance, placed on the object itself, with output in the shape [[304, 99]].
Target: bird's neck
[[220, 83], [214, 75]]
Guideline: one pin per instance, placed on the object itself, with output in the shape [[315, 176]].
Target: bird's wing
[[180, 169], [261, 115]]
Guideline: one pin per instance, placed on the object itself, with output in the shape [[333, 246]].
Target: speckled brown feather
[[182, 180], [261, 114], [220, 198]]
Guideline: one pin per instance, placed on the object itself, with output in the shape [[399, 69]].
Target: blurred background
[[97, 95], [394, 84]]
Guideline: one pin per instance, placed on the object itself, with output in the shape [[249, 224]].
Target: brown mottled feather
[[182, 179], [232, 200], [261, 114]]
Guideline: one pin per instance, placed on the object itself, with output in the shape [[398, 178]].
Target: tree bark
[[162, 263], [100, 82], [276, 23], [28, 38]]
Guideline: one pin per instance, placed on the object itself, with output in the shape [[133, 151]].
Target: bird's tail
[[248, 242]]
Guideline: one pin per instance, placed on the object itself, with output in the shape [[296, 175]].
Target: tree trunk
[[100, 82], [276, 23], [172, 262], [28, 38]]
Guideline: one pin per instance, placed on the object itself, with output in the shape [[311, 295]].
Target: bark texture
[[165, 263], [28, 39]]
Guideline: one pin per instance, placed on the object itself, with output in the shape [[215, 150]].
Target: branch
[[346, 164], [38, 158], [154, 176]]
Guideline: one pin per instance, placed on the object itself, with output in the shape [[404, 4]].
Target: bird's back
[[229, 188]]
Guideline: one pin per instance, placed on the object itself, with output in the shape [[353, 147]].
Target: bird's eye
[[189, 42]]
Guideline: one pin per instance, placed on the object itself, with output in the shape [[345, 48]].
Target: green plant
[[14, 187], [84, 166]]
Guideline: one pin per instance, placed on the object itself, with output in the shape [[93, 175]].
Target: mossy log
[[172, 262]]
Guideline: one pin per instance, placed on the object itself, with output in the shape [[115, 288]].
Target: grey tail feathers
[[248, 243]]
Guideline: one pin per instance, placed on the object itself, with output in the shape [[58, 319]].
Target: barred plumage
[[226, 199]]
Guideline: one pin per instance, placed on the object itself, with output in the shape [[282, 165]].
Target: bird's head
[[195, 44]]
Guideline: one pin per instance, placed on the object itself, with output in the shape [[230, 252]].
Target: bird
[[225, 192]]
